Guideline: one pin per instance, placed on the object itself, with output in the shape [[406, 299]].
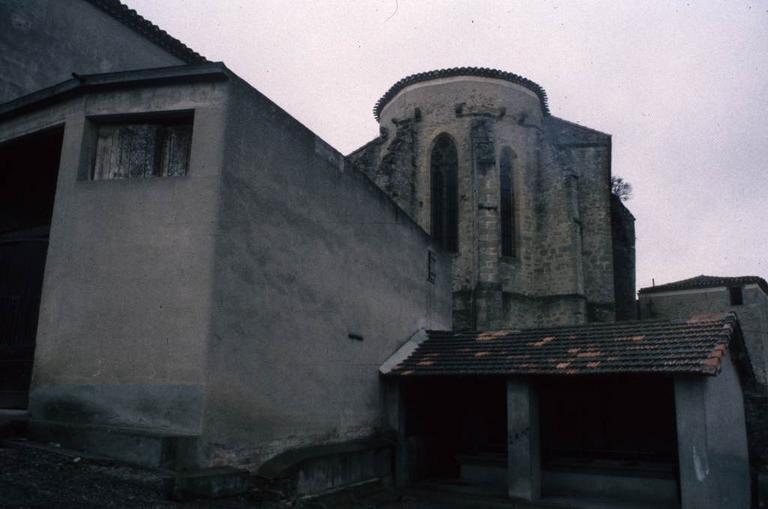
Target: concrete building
[[522, 199], [42, 43], [208, 257], [192, 279]]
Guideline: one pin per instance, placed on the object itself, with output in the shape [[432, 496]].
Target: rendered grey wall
[[712, 441], [126, 297], [42, 42], [307, 251]]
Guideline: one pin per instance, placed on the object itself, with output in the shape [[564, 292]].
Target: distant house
[[747, 298], [193, 279]]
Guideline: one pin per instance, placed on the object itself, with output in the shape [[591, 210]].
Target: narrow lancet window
[[507, 205], [444, 197]]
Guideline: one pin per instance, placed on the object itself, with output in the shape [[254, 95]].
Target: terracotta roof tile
[[461, 71], [684, 346], [706, 282]]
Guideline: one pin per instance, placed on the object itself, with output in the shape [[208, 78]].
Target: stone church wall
[[562, 269], [623, 225]]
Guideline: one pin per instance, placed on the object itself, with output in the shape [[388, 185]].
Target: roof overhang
[[701, 282], [695, 346], [79, 84], [481, 72]]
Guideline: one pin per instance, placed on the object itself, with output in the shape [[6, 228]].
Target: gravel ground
[[31, 477], [37, 478], [34, 477]]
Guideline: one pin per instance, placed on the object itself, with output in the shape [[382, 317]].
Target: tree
[[621, 188]]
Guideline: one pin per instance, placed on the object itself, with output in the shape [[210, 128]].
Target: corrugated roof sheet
[[703, 281], [694, 346]]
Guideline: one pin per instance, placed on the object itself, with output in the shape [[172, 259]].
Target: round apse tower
[[474, 157]]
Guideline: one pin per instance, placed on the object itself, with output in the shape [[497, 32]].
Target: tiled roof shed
[[706, 282], [693, 346]]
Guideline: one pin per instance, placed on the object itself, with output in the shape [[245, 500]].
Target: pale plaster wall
[[125, 306], [221, 303], [712, 440], [308, 250]]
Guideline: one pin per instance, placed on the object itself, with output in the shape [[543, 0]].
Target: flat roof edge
[[210, 71]]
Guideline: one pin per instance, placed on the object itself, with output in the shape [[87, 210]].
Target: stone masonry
[[561, 270]]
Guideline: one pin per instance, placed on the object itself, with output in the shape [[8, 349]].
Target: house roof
[[143, 26], [483, 72], [703, 281], [571, 134], [693, 346]]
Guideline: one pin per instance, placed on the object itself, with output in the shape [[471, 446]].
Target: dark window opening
[[737, 295], [431, 267], [507, 203], [444, 193], [138, 148], [457, 430], [29, 169], [607, 423]]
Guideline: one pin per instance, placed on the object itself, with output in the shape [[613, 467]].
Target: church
[[194, 281]]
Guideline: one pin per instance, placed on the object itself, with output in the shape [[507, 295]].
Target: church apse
[[532, 201]]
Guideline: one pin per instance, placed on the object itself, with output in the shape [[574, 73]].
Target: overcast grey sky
[[681, 86]]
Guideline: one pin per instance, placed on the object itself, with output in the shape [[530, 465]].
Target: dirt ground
[[31, 477], [47, 477], [37, 478]]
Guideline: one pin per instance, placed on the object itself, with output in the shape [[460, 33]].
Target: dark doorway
[[29, 169], [457, 430], [617, 431]]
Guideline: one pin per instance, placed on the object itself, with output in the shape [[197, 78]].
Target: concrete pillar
[[692, 443], [711, 441], [394, 416], [523, 456]]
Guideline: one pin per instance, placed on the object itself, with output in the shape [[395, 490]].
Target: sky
[[682, 87]]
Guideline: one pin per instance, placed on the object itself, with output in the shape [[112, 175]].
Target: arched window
[[445, 200], [507, 205]]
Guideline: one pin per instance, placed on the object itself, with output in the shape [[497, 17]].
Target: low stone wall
[[320, 469]]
